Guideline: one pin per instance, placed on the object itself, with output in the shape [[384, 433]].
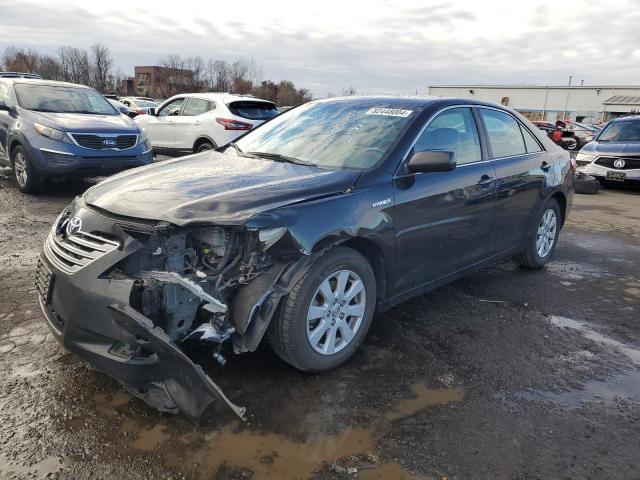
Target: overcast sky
[[377, 46]]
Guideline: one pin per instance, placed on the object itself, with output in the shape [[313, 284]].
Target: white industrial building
[[589, 104]]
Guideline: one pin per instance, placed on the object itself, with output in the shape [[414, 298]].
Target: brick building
[[157, 82]]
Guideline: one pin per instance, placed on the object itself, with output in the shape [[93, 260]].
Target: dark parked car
[[57, 129], [614, 155], [299, 231]]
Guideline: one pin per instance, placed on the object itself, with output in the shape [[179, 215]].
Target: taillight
[[140, 111], [229, 124]]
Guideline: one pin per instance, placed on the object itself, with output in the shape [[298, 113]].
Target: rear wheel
[[542, 244], [25, 176], [324, 319], [204, 146]]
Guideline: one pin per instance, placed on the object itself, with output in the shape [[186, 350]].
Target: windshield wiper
[[43, 110], [241, 152], [282, 158]]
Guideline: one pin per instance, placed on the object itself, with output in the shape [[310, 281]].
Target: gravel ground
[[508, 373]]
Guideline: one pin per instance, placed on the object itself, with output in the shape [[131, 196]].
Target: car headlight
[[51, 133], [270, 236], [585, 158], [142, 137]]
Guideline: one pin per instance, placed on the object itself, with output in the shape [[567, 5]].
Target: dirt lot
[[506, 374]]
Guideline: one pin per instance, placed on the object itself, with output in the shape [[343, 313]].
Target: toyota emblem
[[74, 225], [619, 163], [109, 143]]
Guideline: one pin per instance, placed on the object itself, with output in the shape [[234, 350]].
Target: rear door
[[161, 127], [522, 176], [443, 220], [188, 125]]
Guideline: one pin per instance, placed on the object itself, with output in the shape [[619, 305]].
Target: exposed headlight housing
[[51, 133], [270, 236]]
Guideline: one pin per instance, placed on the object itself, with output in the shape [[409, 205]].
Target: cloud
[[379, 47]]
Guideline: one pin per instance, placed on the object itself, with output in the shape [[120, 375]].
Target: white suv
[[194, 122]]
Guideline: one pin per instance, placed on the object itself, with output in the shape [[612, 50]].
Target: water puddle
[[237, 448], [424, 397], [618, 387], [625, 386], [585, 330]]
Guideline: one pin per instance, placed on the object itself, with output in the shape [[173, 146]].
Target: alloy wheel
[[20, 167], [546, 234], [336, 312]]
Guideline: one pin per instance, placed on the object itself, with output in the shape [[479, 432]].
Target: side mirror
[[151, 111], [431, 161], [5, 107]]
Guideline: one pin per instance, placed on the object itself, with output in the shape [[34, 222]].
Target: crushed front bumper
[[89, 313]]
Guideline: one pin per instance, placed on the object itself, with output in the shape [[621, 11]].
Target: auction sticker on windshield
[[391, 112]]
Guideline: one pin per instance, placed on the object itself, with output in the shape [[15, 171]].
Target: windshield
[[60, 99], [624, 131], [334, 134]]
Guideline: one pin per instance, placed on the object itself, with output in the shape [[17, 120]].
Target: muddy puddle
[[237, 450]]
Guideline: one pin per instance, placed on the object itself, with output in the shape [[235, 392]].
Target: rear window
[[253, 110]]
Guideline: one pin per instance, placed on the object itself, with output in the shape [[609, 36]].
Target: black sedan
[[299, 232]]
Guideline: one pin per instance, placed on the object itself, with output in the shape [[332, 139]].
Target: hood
[[612, 148], [80, 122], [213, 187]]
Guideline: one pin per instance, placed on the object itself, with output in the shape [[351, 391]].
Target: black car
[[298, 232]]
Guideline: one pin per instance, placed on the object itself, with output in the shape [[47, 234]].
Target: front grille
[[630, 163], [72, 252], [101, 142]]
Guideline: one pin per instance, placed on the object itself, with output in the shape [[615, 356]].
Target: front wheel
[[25, 176], [542, 244], [327, 314]]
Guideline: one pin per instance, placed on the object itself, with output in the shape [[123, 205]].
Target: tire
[[535, 255], [204, 146], [295, 333], [571, 144], [26, 178]]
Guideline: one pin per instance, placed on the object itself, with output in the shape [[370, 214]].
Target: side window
[[171, 109], [453, 130], [195, 106], [504, 133], [5, 96], [530, 142]]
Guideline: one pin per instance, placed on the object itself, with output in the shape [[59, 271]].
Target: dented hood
[[213, 187]]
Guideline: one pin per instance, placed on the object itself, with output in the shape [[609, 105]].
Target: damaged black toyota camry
[[296, 234]]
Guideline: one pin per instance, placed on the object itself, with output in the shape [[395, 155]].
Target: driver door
[[444, 219], [161, 127]]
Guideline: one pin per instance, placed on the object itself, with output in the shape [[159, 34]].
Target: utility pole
[[570, 78]]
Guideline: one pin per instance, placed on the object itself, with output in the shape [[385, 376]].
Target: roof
[[222, 96], [551, 87], [622, 100], [52, 83], [627, 118]]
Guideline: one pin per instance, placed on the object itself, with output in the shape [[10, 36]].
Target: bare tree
[[20, 60], [349, 91], [102, 63], [75, 65]]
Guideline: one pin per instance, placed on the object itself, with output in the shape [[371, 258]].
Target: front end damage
[[149, 302]]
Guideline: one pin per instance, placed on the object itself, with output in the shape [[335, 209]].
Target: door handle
[[484, 179], [545, 166], [197, 123]]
